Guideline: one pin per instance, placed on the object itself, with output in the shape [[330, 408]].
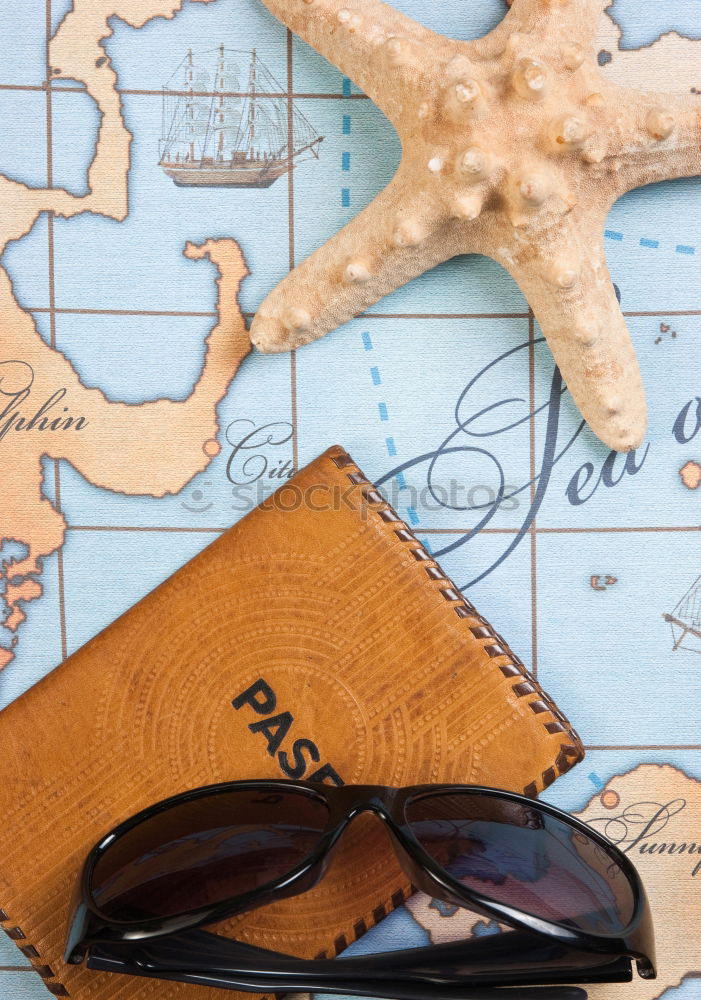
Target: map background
[[125, 305]]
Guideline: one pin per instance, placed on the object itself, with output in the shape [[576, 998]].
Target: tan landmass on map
[[690, 475], [654, 814], [151, 448], [671, 63]]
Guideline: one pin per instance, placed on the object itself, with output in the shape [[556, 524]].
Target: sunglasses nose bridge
[[374, 806], [358, 799]]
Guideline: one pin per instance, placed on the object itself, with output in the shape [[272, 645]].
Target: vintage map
[[129, 437]]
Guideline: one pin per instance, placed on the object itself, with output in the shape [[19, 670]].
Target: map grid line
[[52, 325], [86, 310], [532, 489], [292, 240], [594, 529], [52, 307], [138, 92]]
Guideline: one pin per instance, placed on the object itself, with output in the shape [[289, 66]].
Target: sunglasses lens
[[521, 856], [206, 850]]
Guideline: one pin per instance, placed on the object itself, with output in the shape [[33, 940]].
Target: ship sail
[[686, 619], [227, 126]]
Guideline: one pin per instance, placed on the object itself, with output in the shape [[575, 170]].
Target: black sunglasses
[[575, 904]]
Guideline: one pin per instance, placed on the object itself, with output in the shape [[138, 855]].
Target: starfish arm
[[381, 50], [392, 241], [657, 138], [567, 283]]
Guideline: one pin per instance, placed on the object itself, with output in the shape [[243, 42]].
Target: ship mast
[[252, 78], [190, 105], [220, 147]]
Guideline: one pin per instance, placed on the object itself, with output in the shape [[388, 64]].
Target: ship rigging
[[214, 134], [686, 619]]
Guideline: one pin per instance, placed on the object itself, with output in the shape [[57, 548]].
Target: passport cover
[[316, 638]]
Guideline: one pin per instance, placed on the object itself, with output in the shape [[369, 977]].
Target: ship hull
[[253, 176]]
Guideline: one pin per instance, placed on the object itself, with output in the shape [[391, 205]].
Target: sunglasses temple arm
[[498, 954], [201, 948], [105, 960], [438, 972]]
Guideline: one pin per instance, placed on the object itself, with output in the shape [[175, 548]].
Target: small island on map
[[690, 475]]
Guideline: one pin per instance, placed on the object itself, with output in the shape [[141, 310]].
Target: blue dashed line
[[426, 544], [345, 156], [390, 443], [346, 87], [613, 234], [596, 780]]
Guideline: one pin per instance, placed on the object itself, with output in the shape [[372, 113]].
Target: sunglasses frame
[[168, 947]]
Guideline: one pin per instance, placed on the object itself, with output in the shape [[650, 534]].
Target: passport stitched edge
[[16, 934], [493, 644]]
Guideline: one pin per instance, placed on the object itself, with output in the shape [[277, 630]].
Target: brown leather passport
[[316, 638]]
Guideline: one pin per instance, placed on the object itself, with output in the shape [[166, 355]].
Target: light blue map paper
[[591, 564]]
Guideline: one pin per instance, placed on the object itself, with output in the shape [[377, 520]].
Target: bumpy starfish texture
[[514, 146]]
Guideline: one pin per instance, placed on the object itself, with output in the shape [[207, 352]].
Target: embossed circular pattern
[[186, 718]]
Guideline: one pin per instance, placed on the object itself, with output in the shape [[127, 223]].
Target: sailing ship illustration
[[685, 619], [214, 134]]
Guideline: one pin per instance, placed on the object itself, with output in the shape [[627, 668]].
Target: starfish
[[514, 146]]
